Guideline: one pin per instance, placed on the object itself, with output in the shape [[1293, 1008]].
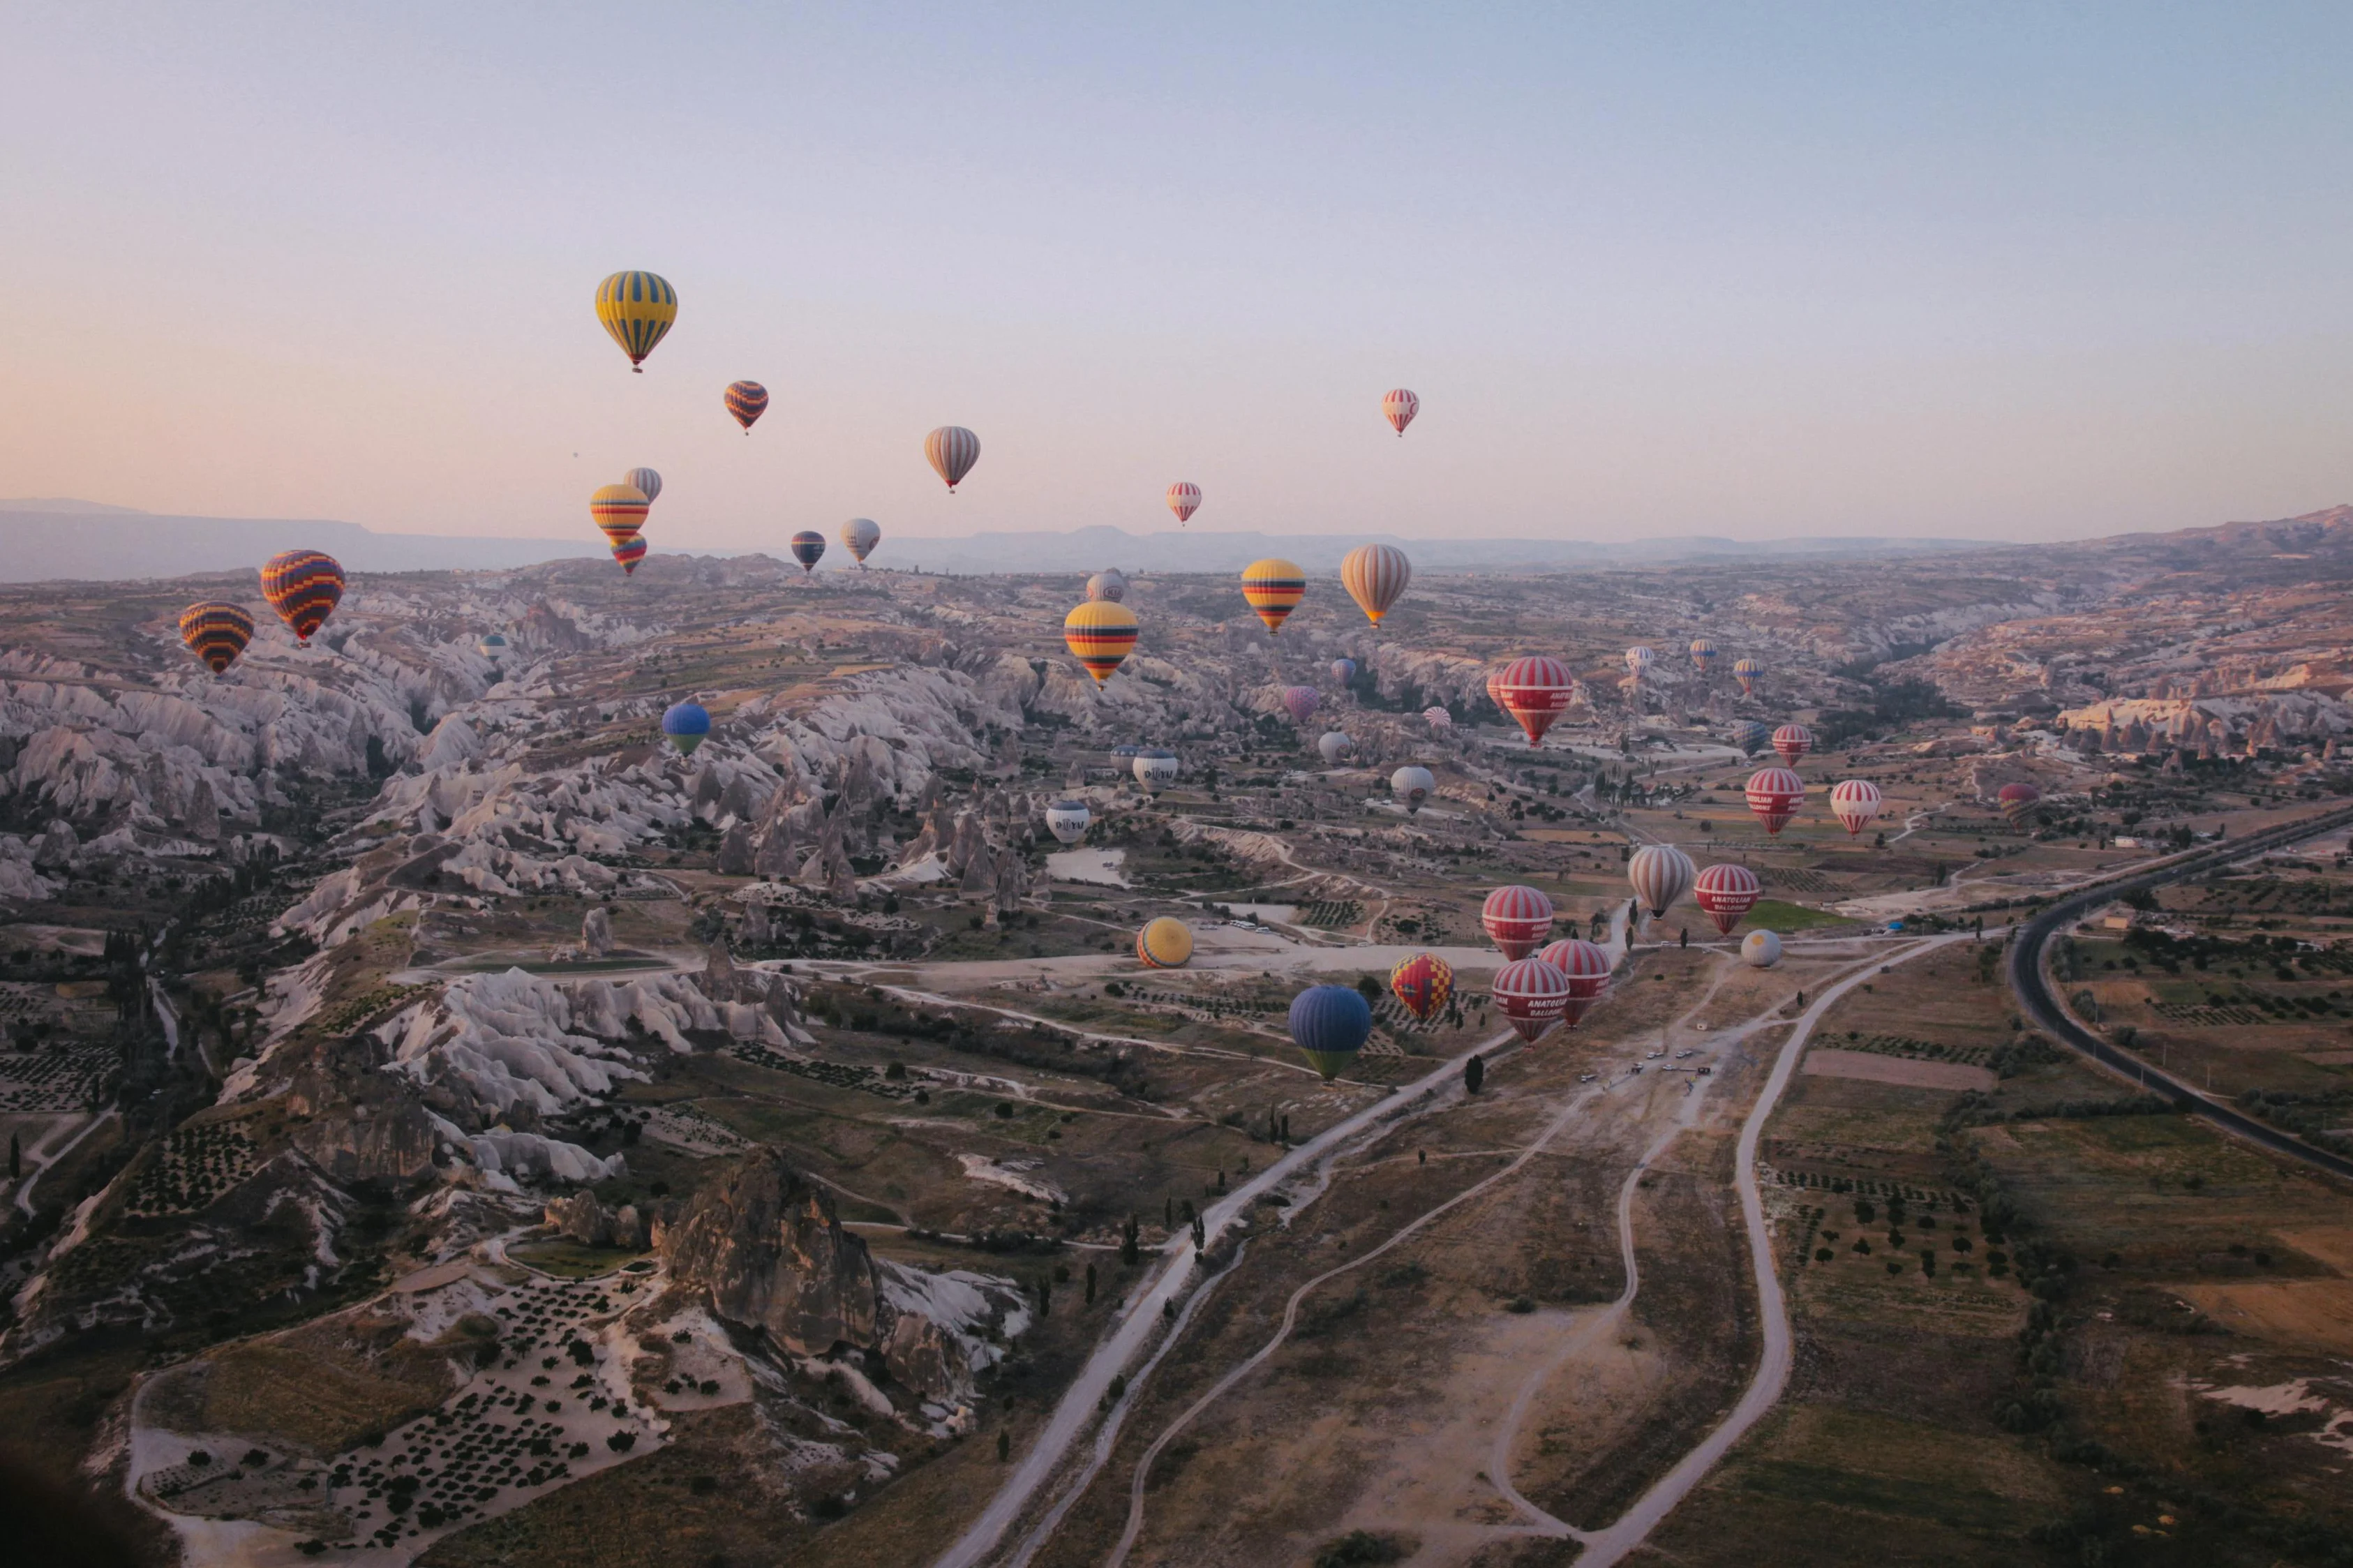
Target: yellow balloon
[[637, 309]]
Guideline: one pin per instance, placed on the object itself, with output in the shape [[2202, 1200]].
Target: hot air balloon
[[1333, 745], [1422, 984], [1165, 943], [620, 510], [1067, 820], [747, 400], [1412, 785], [629, 552], [637, 309], [492, 647], [686, 724], [1274, 588], [1398, 406], [1438, 717], [1761, 950], [1375, 576], [1184, 499], [860, 535], [1774, 794], [808, 549], [216, 633], [1639, 660], [2017, 801], [1301, 702], [1750, 736], [1533, 995], [1100, 634], [1330, 1025], [1660, 874], [1748, 672], [1344, 670], [1703, 655], [1495, 686], [1534, 690], [1518, 920], [1155, 769], [952, 450], [1107, 584], [1793, 741], [304, 587], [1725, 893], [647, 480], [1854, 802], [1587, 969]]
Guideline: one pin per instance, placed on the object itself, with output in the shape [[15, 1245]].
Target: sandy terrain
[[1875, 1069]]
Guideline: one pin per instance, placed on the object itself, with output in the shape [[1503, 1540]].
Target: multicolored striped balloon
[[1422, 984], [951, 450], [1703, 655], [303, 586], [1398, 406], [1274, 588], [1100, 632], [1165, 943], [860, 535], [1184, 499], [629, 552], [1725, 893], [216, 633], [1375, 576], [747, 400], [1518, 919], [620, 510], [808, 549], [637, 309], [1747, 670]]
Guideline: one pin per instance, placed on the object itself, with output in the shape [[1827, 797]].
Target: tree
[[1474, 1073], [15, 1159], [1091, 1284], [1369, 987], [1004, 1446], [1130, 1255]]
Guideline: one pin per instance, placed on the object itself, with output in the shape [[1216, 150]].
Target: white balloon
[[1761, 950]]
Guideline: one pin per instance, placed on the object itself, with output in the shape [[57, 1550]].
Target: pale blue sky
[[1753, 270]]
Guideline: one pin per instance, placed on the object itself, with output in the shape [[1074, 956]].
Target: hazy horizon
[[2010, 275]]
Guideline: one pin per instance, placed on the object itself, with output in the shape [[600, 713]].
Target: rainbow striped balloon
[[303, 586], [747, 400], [629, 552], [1375, 575], [620, 510], [637, 309], [1100, 633], [1274, 588], [216, 633], [951, 450]]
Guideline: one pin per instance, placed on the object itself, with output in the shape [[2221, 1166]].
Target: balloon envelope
[[2017, 801], [1165, 943], [1586, 967], [1725, 893], [1437, 717], [1854, 802], [1750, 736], [1660, 874], [1100, 634], [620, 510], [747, 400], [686, 724], [951, 450], [629, 552], [1375, 576], [1412, 785], [1748, 672], [1775, 794], [1398, 406], [1702, 654], [1330, 1025], [1107, 584], [1637, 660], [1792, 742], [637, 309], [645, 480], [1155, 769], [1761, 950], [1273, 588], [216, 633], [1536, 690], [303, 586], [1518, 920], [1184, 499], [808, 549], [1422, 984], [860, 535], [1333, 745], [1533, 995], [1344, 670], [1300, 701], [1067, 820]]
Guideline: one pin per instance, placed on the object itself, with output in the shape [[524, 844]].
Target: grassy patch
[[1779, 915]]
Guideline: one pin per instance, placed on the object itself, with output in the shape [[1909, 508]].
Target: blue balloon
[[686, 723], [1344, 670], [1750, 736], [1330, 1024]]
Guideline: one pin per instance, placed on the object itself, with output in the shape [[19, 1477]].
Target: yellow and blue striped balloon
[[1273, 587], [637, 309]]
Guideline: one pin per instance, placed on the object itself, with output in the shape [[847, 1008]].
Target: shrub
[[1359, 1547]]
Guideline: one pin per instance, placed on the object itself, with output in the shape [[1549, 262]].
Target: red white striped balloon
[[1774, 794], [1725, 893], [951, 450], [1398, 407], [1660, 874], [1184, 499], [1518, 919], [1536, 690], [1533, 995], [1854, 802], [1793, 741], [1587, 968]]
